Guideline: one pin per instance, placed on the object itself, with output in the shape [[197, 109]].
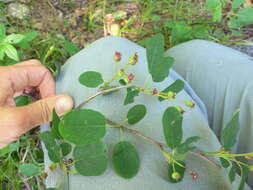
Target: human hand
[[17, 79]]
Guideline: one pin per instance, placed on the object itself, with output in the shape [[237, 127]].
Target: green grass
[[177, 20]]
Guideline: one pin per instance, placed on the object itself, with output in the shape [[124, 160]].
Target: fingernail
[[63, 105]]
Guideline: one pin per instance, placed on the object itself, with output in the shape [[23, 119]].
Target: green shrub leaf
[[82, 127], [172, 127], [9, 148], [70, 47], [55, 125], [22, 100], [65, 148], [225, 163], [91, 79], [232, 174], [236, 4], [54, 150], [14, 38], [10, 51], [29, 169], [230, 132], [2, 30], [158, 65], [187, 145], [176, 168], [176, 87], [245, 16], [244, 174], [131, 94], [90, 160], [215, 7], [136, 113], [125, 159]]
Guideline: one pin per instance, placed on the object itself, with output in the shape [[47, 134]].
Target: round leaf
[[29, 170], [92, 166], [91, 79], [65, 148], [82, 127], [136, 113], [180, 170], [90, 160], [172, 127], [125, 159]]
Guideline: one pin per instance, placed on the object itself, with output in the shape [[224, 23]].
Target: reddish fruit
[[155, 91], [194, 175], [130, 77], [117, 56]]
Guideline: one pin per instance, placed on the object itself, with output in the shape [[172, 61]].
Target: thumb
[[40, 112]]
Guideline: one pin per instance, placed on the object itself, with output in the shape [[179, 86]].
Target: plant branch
[[101, 92], [160, 145]]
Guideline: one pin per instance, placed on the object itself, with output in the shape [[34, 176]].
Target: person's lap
[[99, 57]]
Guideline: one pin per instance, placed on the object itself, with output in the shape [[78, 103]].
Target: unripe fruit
[[176, 176]]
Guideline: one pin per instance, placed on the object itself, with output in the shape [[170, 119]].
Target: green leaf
[[29, 36], [2, 30], [225, 163], [176, 168], [125, 159], [91, 79], [55, 125], [1, 53], [29, 170], [131, 94], [172, 127], [176, 87], [14, 38], [70, 47], [245, 16], [136, 113], [158, 65], [10, 51], [186, 145], [54, 150], [82, 127], [215, 7], [90, 160], [22, 100], [236, 4], [181, 32], [232, 174], [65, 148], [244, 174], [230, 132], [9, 148]]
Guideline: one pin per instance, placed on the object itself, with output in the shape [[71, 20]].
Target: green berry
[[176, 176]]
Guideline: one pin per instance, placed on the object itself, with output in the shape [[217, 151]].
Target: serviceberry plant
[[83, 130]]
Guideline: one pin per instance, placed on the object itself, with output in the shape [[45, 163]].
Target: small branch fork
[[160, 145]]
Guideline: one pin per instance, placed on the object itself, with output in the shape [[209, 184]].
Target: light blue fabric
[[223, 78], [99, 57]]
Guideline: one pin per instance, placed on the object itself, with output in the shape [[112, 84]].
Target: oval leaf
[[82, 127], [10, 51], [230, 132], [172, 127], [14, 38], [176, 87], [65, 148], [90, 160], [22, 100], [136, 113], [176, 168], [29, 170], [91, 79], [125, 159]]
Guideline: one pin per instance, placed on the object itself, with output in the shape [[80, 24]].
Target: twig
[[103, 92], [158, 144], [138, 134]]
